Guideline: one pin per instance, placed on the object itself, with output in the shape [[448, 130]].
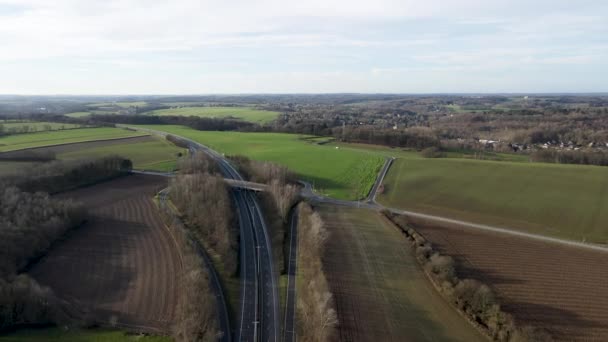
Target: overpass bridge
[[233, 183]]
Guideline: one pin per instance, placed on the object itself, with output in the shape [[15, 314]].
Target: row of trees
[[203, 200], [29, 224], [476, 300], [196, 309], [59, 176], [317, 317], [585, 157]]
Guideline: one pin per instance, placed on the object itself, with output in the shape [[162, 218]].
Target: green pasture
[[336, 172], [78, 114], [125, 104], [154, 155], [566, 201], [92, 335], [29, 140], [244, 113]]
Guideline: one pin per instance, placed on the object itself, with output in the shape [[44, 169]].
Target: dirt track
[[123, 265], [560, 288]]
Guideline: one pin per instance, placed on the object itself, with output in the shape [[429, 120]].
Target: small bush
[[432, 152]]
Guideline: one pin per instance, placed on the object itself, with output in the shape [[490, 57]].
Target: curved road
[[258, 319]]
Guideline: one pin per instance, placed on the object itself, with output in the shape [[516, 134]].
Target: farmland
[[547, 285], [380, 291], [59, 335], [35, 126], [78, 114], [340, 173], [244, 113], [21, 141], [565, 201], [123, 266], [146, 152]]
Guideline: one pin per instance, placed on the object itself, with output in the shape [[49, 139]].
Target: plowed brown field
[[560, 288], [123, 266]]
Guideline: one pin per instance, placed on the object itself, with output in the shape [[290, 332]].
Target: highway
[[258, 319]]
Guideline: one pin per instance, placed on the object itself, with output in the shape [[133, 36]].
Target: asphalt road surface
[[258, 316]]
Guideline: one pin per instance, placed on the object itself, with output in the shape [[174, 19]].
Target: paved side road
[[372, 193], [309, 193]]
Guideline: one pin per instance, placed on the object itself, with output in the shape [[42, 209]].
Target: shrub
[[432, 152]]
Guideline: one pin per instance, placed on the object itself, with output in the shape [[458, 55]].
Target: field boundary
[[435, 285], [73, 143]]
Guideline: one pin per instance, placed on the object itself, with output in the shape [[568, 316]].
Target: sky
[[305, 46]]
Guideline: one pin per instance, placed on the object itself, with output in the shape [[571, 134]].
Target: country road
[[258, 319], [379, 179], [309, 193]]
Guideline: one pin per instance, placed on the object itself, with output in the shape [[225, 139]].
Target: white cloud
[[316, 44]]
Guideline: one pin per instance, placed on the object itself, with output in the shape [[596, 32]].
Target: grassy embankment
[[94, 335], [565, 201], [244, 113], [379, 273], [339, 173]]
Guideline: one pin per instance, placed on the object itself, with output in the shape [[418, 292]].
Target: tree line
[[474, 299], [57, 176], [203, 200], [29, 224], [316, 308]]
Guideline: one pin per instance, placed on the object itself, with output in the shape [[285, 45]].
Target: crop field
[[126, 104], [244, 113], [29, 140], [146, 152], [93, 335], [552, 286], [565, 201], [340, 173], [78, 114], [380, 290], [36, 126], [123, 265]]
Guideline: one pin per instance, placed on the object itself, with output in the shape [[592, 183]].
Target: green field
[[20, 141], [336, 172], [156, 154], [78, 114], [244, 113], [566, 201], [119, 104], [372, 265], [93, 335], [35, 126]]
